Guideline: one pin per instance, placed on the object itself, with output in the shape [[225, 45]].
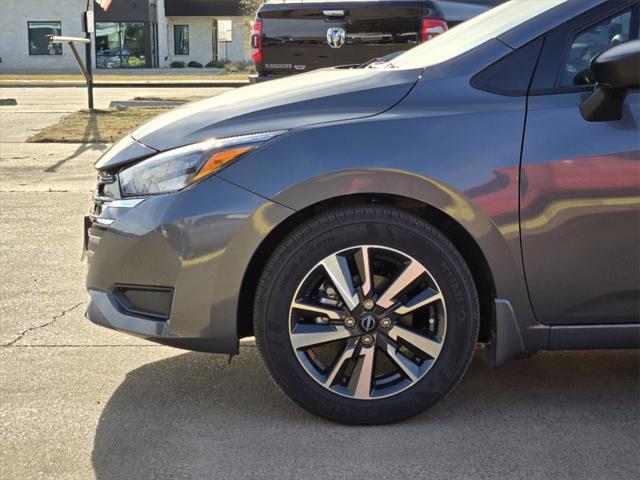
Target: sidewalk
[[125, 84], [176, 78], [135, 72]]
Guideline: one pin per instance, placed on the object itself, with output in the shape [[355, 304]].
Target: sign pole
[[89, 29]]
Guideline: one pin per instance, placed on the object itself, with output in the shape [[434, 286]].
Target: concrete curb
[[132, 84], [146, 103]]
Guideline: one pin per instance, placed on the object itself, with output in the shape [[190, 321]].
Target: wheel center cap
[[368, 323]]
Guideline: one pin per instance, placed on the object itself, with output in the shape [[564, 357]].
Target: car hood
[[315, 97]]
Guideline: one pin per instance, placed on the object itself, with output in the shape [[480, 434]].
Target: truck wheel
[[366, 315]]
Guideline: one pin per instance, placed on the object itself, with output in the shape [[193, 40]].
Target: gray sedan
[[371, 226]]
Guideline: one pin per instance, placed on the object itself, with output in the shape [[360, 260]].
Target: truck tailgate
[[295, 35]]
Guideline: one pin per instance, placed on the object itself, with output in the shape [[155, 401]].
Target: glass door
[[120, 45], [108, 45], [133, 43]]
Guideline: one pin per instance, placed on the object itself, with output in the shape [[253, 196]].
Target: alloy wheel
[[368, 322]]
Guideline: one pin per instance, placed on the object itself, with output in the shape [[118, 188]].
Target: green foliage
[[249, 7], [177, 65], [194, 64], [239, 67], [231, 67], [216, 64]]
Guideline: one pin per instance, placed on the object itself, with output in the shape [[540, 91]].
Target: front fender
[[504, 264]]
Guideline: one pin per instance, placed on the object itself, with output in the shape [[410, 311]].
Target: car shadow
[[573, 414]]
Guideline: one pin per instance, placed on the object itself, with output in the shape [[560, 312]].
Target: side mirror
[[615, 71]]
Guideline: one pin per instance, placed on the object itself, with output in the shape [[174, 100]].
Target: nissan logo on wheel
[[368, 323]]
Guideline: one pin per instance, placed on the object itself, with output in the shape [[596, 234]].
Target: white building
[[131, 34]]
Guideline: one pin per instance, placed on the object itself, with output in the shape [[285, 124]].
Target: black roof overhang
[[201, 8]]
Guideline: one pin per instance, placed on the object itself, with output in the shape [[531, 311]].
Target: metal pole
[[74, 50], [88, 56]]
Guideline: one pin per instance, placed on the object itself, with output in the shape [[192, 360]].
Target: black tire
[[344, 228]]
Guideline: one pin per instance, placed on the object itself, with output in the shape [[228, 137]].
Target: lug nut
[[386, 322], [369, 304], [367, 340], [349, 322]]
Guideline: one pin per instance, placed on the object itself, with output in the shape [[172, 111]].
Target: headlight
[[176, 169]]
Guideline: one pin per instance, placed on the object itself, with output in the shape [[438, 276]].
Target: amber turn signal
[[219, 160]]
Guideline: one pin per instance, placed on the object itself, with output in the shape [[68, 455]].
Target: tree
[[249, 7]]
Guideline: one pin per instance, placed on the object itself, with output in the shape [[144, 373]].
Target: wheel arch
[[457, 234]]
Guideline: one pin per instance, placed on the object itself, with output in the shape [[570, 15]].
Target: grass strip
[[99, 126]]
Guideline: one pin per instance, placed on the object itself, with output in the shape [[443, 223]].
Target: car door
[[580, 182]]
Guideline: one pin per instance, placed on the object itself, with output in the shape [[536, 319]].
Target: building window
[[39, 38], [224, 31], [181, 39], [120, 45]]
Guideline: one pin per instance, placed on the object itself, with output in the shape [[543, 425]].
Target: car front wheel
[[366, 315]]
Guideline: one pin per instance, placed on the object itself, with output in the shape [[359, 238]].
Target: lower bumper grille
[[154, 302]]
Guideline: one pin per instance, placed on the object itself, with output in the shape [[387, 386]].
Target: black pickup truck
[[290, 37]]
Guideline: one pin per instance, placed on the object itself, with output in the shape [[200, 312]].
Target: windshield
[[474, 32]]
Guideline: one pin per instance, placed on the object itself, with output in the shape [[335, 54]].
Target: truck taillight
[[432, 28], [256, 41]]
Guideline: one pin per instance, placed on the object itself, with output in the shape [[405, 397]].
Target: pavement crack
[[53, 320]]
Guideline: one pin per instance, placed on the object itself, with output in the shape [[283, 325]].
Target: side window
[[511, 74], [588, 43]]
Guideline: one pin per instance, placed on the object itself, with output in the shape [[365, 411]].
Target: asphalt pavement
[[81, 402]]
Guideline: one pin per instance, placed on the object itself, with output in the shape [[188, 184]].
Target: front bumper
[[190, 249]]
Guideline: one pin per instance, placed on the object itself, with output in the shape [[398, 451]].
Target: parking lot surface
[[81, 402]]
